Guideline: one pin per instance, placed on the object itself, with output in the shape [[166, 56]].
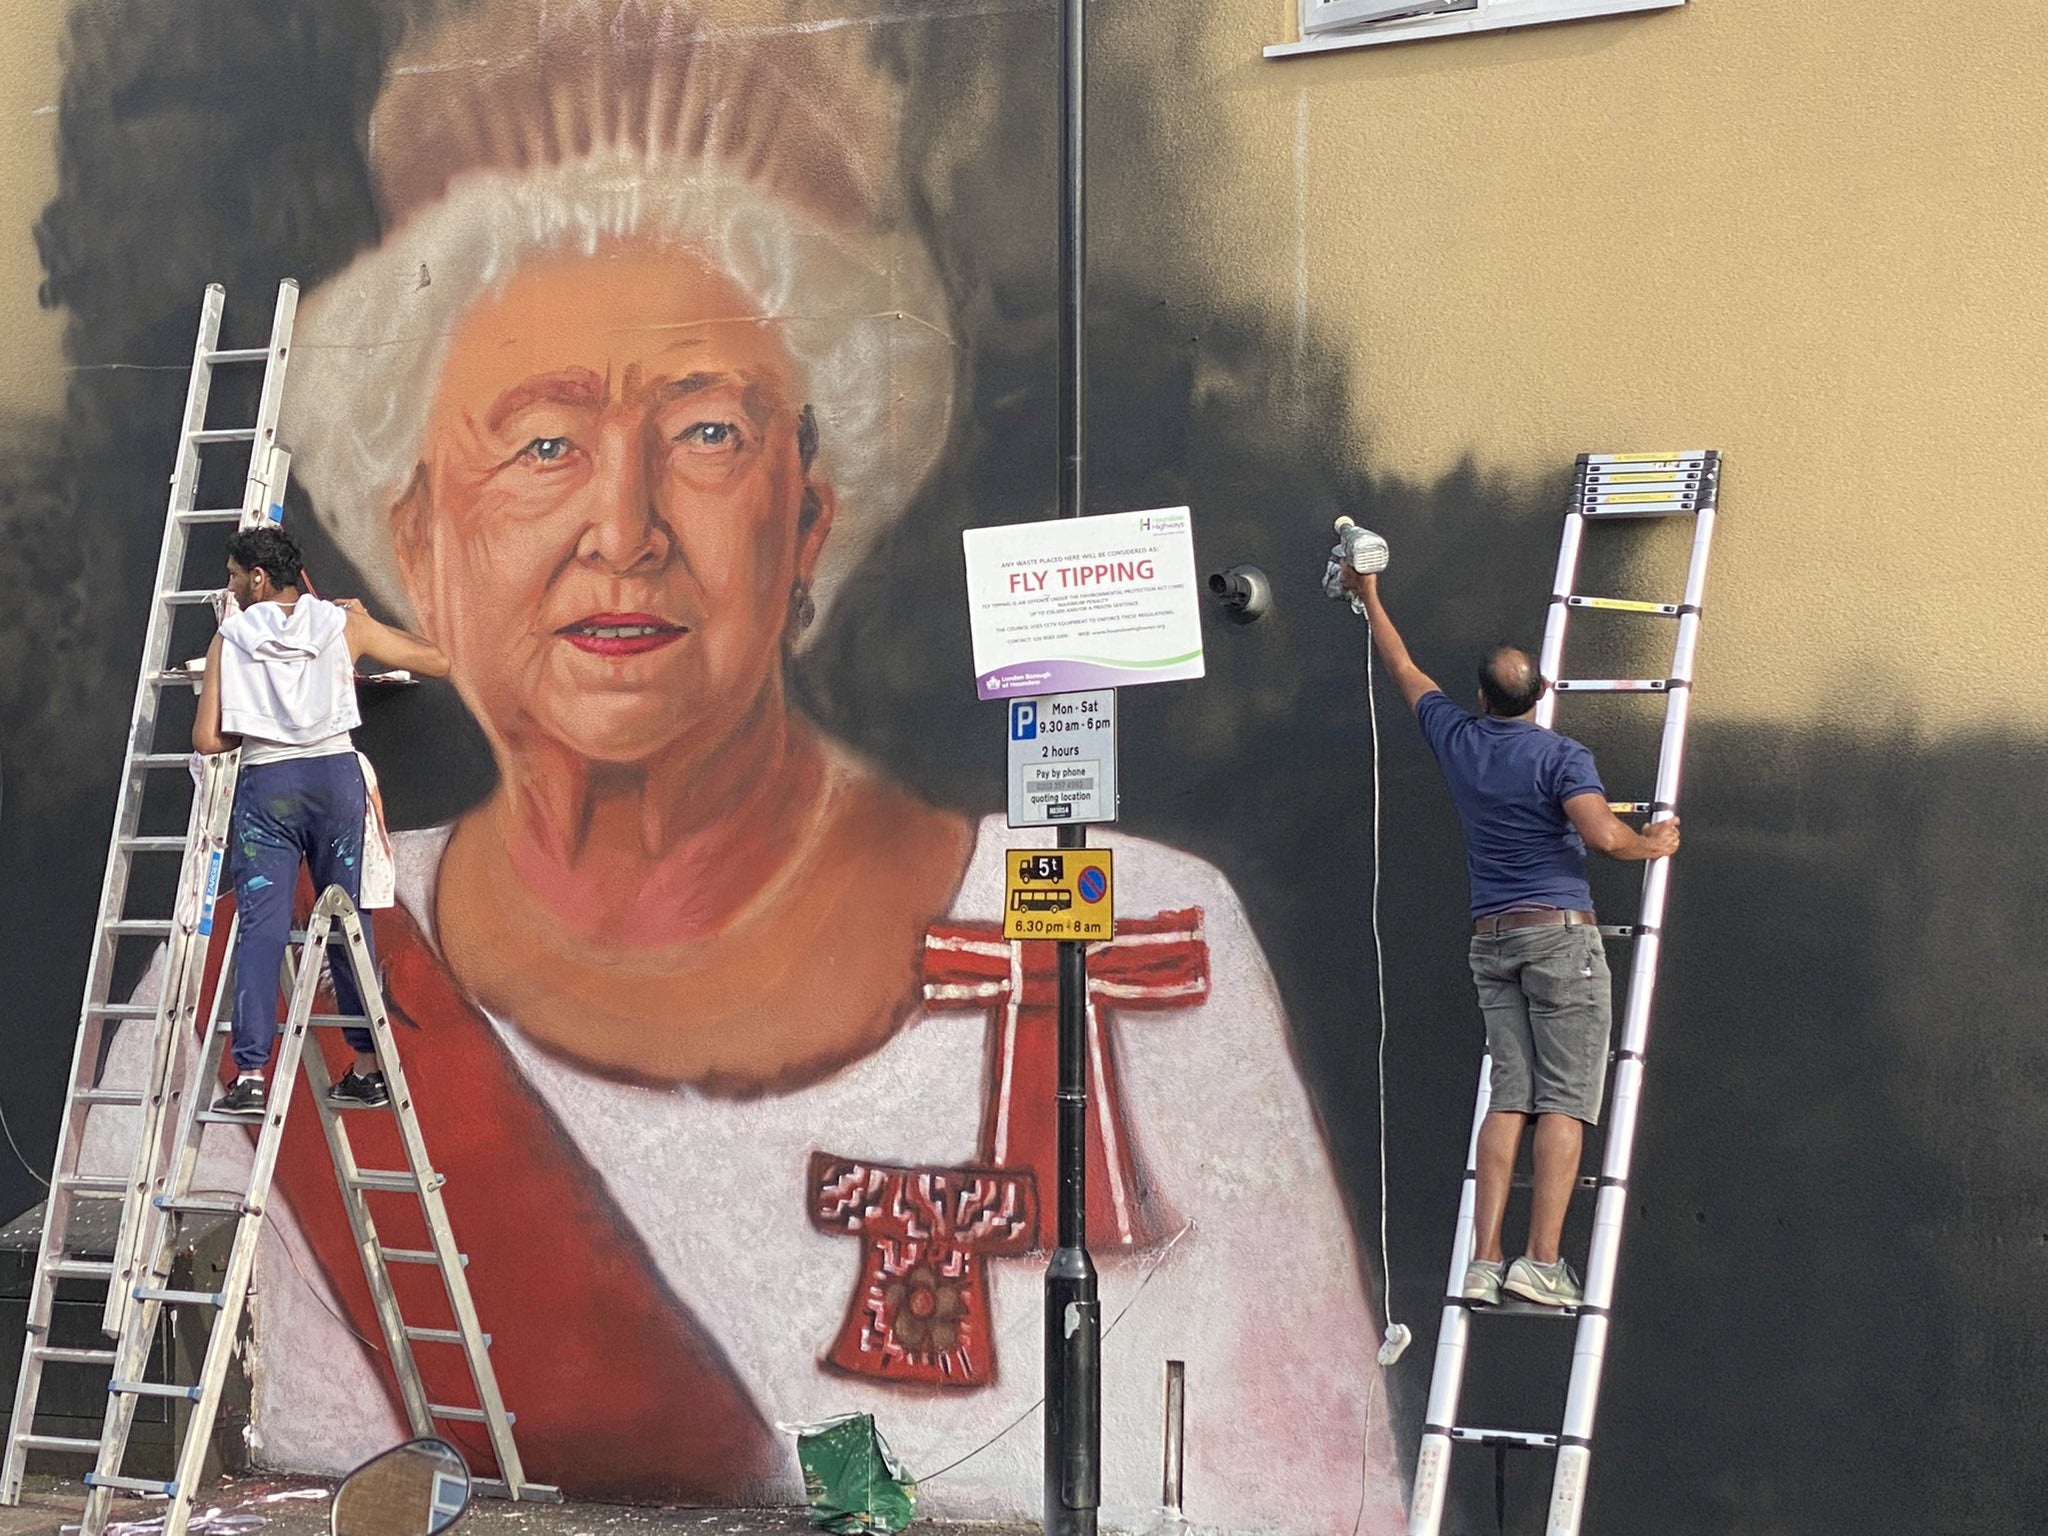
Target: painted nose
[[626, 530]]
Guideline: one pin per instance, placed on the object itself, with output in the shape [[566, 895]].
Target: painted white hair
[[862, 314]]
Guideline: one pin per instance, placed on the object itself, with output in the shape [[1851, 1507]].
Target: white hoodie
[[286, 675]]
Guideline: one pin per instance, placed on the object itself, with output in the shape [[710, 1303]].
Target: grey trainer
[[1482, 1281], [1548, 1285]]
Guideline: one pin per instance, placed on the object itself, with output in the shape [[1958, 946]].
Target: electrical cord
[[1039, 1401], [313, 1290], [1398, 1335], [4, 1126]]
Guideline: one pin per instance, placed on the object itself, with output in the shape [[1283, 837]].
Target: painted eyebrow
[[758, 397], [570, 386]]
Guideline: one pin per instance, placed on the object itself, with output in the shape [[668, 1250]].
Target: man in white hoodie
[[280, 684]]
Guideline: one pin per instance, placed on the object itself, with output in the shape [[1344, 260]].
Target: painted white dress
[[1257, 1288]]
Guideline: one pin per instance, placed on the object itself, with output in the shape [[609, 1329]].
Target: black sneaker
[[356, 1091], [246, 1100]]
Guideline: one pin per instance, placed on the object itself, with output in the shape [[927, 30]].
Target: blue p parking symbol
[[1024, 720]]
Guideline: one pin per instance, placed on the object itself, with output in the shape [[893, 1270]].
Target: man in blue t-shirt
[[1531, 803]]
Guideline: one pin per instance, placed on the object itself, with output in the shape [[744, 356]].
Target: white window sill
[[1495, 17]]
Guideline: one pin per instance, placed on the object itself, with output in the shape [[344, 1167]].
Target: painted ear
[[813, 526]]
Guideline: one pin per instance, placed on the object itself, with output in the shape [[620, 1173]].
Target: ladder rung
[[170, 676], [1651, 460], [237, 355], [224, 435], [152, 845], [1516, 1307], [79, 1269], [440, 1336], [153, 1389], [1524, 1181], [58, 1443], [1504, 1437], [190, 1205], [394, 1183], [133, 1097], [1614, 684], [1619, 931], [190, 598], [130, 1484], [93, 1188], [210, 515], [142, 927], [122, 1011], [161, 760], [338, 1020], [1630, 807], [181, 1298], [1623, 605], [416, 1256], [1661, 510], [50, 1356], [465, 1415]]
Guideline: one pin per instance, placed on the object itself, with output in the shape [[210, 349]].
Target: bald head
[[1509, 682]]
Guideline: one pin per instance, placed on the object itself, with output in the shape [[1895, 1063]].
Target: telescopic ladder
[[334, 922], [150, 772], [1605, 487]]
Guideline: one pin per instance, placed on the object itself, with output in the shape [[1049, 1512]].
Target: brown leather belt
[[1549, 917]]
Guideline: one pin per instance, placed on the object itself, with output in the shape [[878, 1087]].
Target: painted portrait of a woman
[[744, 1105]]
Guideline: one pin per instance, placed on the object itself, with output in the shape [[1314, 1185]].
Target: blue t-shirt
[[1510, 779]]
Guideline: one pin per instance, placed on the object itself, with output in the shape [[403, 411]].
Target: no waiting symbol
[[1093, 885]]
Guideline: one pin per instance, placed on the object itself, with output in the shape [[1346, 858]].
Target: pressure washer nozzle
[[1360, 548]]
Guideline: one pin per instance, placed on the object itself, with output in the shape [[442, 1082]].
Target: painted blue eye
[[710, 434], [547, 450]]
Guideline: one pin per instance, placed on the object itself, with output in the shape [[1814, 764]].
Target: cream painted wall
[[32, 360], [1810, 234]]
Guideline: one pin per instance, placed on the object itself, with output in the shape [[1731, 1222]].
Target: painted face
[[611, 512]]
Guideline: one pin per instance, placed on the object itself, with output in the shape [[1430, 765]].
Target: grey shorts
[[1549, 1001]]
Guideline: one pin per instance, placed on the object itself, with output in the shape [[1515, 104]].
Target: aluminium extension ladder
[[185, 930], [336, 922], [1606, 486]]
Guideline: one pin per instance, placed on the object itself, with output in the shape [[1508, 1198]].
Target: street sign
[[1082, 602], [1063, 758], [1058, 893]]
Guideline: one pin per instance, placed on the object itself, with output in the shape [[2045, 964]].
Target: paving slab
[[298, 1507]]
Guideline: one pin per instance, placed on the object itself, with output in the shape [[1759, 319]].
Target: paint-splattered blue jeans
[[306, 810]]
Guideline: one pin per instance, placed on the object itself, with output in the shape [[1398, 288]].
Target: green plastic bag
[[853, 1480]]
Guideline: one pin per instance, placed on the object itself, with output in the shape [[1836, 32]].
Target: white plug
[[1398, 1340]]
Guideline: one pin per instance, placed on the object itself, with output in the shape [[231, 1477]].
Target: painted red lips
[[621, 634]]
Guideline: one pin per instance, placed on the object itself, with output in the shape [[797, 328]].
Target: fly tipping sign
[[1063, 893], [1063, 758], [1083, 602]]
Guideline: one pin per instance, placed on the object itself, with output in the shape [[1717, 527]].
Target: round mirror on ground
[[417, 1489]]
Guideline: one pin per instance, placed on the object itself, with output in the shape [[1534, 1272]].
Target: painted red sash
[[619, 1391]]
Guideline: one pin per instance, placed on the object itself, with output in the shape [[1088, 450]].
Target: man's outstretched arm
[[392, 646], [1609, 834], [1408, 677]]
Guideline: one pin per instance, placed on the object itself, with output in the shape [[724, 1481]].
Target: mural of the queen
[[736, 1132]]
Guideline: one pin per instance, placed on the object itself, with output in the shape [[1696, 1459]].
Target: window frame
[[1328, 25]]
